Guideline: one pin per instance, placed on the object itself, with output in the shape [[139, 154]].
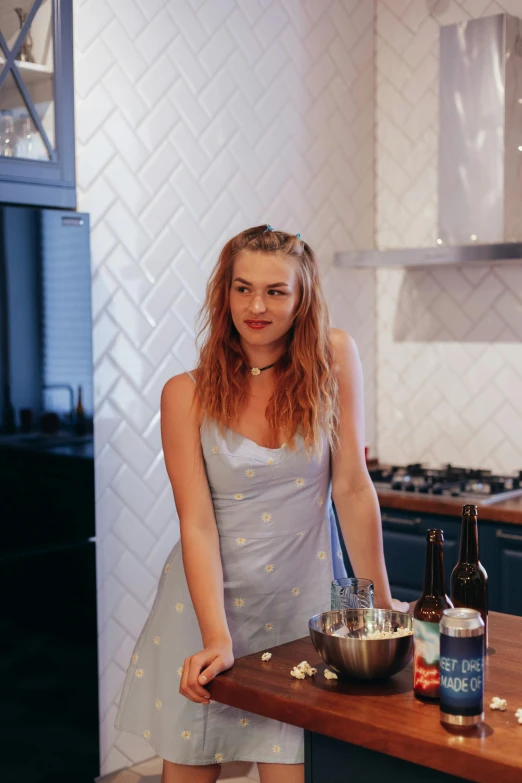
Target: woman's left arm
[[353, 492]]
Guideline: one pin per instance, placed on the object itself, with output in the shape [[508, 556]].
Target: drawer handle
[[400, 521], [508, 536]]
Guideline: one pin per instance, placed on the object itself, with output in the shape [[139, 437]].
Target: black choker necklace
[[259, 370]]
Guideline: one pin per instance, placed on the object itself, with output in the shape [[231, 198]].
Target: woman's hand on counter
[[400, 606], [393, 603], [201, 668]]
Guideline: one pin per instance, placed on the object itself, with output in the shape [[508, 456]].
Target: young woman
[[258, 440]]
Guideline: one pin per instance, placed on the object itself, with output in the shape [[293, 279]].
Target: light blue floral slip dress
[[280, 550]]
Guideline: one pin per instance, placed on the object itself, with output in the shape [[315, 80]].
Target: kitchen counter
[[61, 444], [374, 731], [506, 511]]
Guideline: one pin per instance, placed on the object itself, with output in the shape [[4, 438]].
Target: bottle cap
[[435, 534], [470, 509]]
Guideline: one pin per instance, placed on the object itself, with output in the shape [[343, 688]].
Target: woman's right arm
[[199, 536]]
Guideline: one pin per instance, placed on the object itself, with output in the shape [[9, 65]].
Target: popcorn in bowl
[[363, 643], [378, 634]]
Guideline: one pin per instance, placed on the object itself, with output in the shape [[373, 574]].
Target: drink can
[[461, 667]]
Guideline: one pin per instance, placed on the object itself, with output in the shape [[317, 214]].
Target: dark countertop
[[60, 444], [385, 716], [506, 511]]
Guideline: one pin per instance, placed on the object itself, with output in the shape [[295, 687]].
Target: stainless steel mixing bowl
[[353, 656]]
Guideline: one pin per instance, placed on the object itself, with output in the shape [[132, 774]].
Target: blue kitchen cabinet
[[508, 553], [37, 163], [404, 540], [404, 536], [329, 760]]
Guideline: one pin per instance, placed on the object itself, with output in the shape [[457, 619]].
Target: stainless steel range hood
[[480, 151]]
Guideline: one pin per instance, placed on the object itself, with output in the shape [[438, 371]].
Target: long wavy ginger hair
[[305, 398]]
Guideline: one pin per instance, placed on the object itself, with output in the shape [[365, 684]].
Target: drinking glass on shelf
[[7, 133], [352, 593], [25, 139]]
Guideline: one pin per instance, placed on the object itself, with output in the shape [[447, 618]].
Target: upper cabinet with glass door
[[36, 103]]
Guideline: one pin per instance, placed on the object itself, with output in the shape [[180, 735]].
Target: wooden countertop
[[507, 511], [386, 717]]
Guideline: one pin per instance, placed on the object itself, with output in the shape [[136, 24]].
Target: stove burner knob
[[396, 485], [410, 487], [497, 486], [436, 489], [516, 483]]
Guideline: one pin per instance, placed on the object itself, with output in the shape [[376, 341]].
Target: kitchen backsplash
[[194, 120], [449, 351]]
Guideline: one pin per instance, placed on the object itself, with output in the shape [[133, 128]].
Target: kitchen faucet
[[69, 389]]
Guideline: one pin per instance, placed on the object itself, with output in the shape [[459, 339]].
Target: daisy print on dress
[[179, 670], [146, 734], [239, 496], [214, 449], [270, 461], [140, 673], [156, 640], [266, 517], [320, 502], [321, 555], [167, 568], [276, 749], [159, 704], [250, 473], [135, 658], [243, 722], [239, 603], [241, 541], [219, 758], [296, 591], [186, 734], [269, 568], [269, 626], [179, 607], [299, 482]]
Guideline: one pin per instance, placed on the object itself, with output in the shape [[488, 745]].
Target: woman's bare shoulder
[[179, 393], [343, 345]]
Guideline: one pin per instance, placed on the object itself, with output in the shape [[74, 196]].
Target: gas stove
[[475, 486]]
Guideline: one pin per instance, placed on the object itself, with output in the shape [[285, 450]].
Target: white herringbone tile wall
[[194, 120], [449, 347]]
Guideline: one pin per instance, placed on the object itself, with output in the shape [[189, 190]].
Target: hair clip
[[298, 236], [268, 228]]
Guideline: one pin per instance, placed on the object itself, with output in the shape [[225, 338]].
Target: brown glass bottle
[[80, 424], [469, 580], [427, 616]]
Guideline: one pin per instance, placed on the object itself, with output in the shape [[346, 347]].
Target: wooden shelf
[[38, 80]]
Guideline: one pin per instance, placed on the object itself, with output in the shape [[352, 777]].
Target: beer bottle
[[426, 618], [80, 424], [469, 580]]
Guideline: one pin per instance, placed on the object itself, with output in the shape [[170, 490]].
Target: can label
[[462, 675], [426, 677]]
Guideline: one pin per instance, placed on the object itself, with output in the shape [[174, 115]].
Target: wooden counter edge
[[397, 743], [238, 688]]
